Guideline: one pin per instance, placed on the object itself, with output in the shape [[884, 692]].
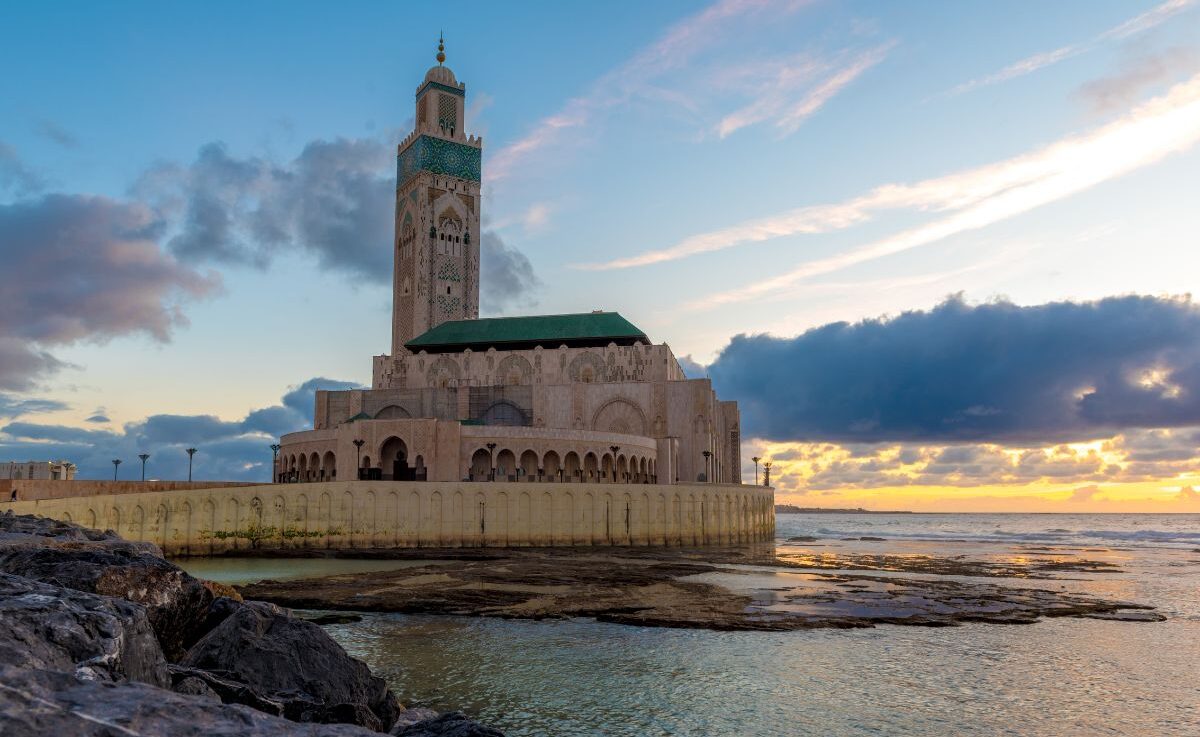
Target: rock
[[412, 716], [221, 589], [802, 539], [28, 529], [287, 660], [451, 724], [193, 686], [336, 618], [92, 637], [176, 603], [39, 702]]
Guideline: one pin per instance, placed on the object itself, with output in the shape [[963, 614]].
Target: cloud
[[1188, 494], [797, 88], [1138, 24], [510, 280], [691, 368], [15, 176], [1135, 77], [637, 76], [98, 419], [1084, 493], [228, 450], [56, 133], [89, 268], [995, 372], [13, 407], [335, 200], [975, 197]]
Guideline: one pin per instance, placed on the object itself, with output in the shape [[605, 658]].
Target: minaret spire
[[441, 54]]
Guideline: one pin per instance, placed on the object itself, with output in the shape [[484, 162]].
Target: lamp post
[[145, 457], [767, 477], [191, 452], [614, 449], [491, 461], [358, 444], [756, 459], [116, 463], [707, 475]]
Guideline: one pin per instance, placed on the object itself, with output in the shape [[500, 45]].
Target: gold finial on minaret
[[441, 54]]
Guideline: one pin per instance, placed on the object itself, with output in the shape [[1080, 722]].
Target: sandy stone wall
[[28, 489], [371, 514]]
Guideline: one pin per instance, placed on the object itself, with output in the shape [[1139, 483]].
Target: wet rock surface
[[86, 619], [730, 589], [40, 702], [294, 663], [453, 724], [93, 637]]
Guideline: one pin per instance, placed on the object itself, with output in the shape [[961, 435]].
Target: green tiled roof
[[511, 333]]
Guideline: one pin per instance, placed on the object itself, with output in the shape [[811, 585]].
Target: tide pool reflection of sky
[[766, 169]]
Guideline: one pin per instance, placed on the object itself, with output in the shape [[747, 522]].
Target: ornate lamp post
[[145, 457], [767, 478], [275, 461], [491, 461], [707, 475], [614, 449], [358, 444], [116, 463], [191, 452], [756, 459]]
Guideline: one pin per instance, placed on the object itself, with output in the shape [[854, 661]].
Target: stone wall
[[59, 489], [375, 514]]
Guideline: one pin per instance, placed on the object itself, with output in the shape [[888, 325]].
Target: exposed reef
[[102, 637], [748, 589]]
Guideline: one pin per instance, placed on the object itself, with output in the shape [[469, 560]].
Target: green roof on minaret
[[581, 330]]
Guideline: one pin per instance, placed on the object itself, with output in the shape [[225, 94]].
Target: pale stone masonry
[[577, 398]]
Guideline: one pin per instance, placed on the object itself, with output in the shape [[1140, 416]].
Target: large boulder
[[92, 637], [39, 702], [176, 603], [294, 663]]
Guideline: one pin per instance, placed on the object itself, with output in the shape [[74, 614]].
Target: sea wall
[[29, 489], [381, 514]]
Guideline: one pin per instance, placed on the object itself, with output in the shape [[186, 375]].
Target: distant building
[[583, 397], [38, 470]]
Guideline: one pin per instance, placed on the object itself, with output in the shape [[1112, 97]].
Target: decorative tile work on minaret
[[438, 174]]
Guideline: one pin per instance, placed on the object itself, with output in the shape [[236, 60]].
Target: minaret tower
[[438, 165]]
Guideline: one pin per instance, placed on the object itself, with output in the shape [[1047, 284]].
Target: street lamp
[[145, 457], [767, 478], [116, 462], [491, 462], [358, 444], [191, 452], [707, 475], [614, 449], [275, 461], [756, 459]]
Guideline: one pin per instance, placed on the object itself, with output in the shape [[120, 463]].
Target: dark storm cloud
[[233, 451], [992, 372], [507, 278], [83, 268]]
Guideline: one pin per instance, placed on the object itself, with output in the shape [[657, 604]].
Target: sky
[[942, 254]]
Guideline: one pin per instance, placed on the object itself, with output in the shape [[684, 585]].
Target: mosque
[[554, 399]]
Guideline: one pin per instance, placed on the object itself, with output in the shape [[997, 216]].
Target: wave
[[1056, 535]]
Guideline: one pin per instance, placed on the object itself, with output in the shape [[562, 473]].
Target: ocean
[[1062, 676]]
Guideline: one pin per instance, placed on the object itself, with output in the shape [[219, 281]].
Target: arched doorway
[[393, 460]]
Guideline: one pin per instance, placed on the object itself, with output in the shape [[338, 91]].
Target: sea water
[[1057, 677]]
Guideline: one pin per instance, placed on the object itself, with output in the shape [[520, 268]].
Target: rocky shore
[[722, 589], [104, 637]]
